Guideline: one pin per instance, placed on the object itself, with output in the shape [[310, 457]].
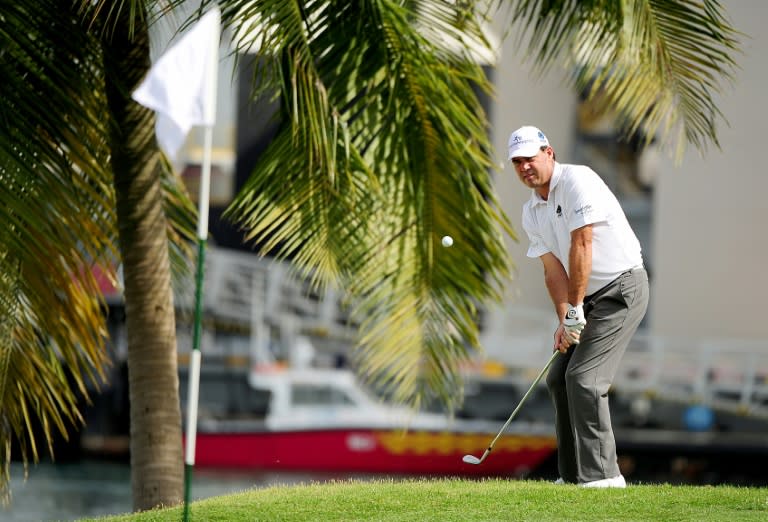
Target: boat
[[323, 419], [664, 408]]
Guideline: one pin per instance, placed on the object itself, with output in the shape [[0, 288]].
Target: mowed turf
[[466, 500]]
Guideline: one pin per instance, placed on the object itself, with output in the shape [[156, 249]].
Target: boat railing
[[728, 374]]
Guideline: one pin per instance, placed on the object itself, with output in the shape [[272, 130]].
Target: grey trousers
[[578, 381]]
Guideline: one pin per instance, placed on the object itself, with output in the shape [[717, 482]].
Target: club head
[[471, 459]]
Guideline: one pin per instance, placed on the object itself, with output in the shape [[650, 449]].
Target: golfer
[[593, 270]]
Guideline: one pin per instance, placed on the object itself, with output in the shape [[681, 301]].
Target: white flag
[[181, 85]]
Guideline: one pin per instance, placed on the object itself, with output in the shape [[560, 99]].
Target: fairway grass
[[445, 500]]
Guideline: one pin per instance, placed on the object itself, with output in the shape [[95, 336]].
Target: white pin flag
[[181, 85]]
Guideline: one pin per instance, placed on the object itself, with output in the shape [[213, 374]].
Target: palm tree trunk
[[156, 440]]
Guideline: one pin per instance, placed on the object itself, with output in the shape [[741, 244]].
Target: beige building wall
[[708, 243], [711, 212]]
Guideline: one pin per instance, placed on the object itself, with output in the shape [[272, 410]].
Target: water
[[71, 491]]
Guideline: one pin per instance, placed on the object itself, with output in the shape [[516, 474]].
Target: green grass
[[448, 500]]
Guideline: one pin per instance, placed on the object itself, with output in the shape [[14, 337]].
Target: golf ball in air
[[447, 241]]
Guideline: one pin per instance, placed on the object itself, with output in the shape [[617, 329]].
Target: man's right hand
[[563, 341]]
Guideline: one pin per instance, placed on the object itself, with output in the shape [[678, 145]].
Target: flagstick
[[196, 356], [202, 235]]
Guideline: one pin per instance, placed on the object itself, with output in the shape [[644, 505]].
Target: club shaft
[[522, 401]]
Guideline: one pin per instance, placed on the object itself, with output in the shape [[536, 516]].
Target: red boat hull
[[373, 451]]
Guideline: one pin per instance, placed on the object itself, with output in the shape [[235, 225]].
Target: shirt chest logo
[[559, 211]]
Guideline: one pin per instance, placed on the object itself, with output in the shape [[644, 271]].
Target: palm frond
[[58, 220], [181, 216], [383, 149], [658, 64]]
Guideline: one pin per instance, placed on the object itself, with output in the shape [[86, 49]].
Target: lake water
[[71, 491]]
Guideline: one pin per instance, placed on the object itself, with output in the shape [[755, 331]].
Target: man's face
[[535, 171]]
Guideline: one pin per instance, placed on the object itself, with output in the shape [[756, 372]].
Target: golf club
[[471, 459]]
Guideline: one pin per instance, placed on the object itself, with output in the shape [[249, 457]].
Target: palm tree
[[136, 163], [383, 148], [83, 180]]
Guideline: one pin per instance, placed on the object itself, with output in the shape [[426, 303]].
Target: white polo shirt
[[578, 197]]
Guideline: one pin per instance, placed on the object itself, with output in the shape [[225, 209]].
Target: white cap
[[526, 142]]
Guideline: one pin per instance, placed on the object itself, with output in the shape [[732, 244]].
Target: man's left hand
[[574, 323]]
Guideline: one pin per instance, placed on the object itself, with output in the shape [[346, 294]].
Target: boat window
[[318, 394]]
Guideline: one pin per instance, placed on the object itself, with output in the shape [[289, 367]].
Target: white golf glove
[[574, 323]]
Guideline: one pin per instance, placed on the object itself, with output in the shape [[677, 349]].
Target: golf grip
[[522, 401]]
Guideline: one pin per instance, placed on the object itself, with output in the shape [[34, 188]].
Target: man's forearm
[[556, 281], [579, 264]]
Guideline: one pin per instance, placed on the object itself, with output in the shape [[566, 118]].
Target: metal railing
[[727, 374]]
